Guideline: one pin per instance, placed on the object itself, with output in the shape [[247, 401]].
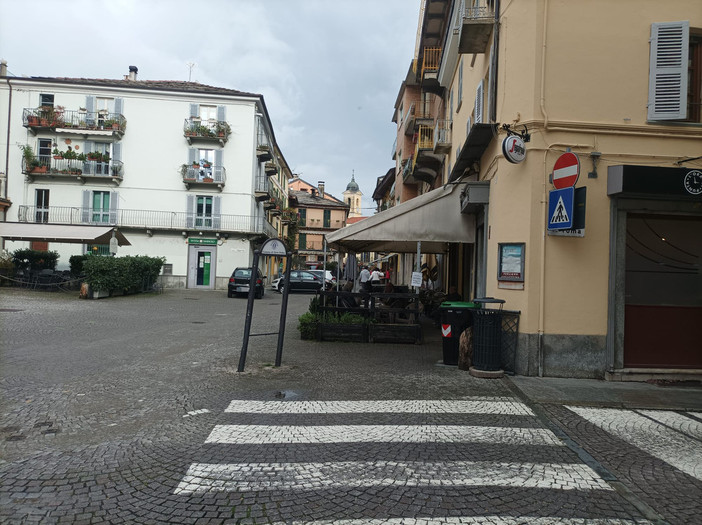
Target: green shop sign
[[198, 240]]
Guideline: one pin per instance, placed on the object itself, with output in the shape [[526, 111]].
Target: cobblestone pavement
[[130, 410]]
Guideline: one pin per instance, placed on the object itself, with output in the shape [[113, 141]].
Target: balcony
[[474, 26], [59, 120], [431, 61], [148, 219], [209, 131], [203, 175], [263, 153], [262, 189], [442, 136], [425, 164], [80, 170], [394, 150], [271, 168]]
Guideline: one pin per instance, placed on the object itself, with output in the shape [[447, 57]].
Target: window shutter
[[190, 211], [90, 110], [88, 147], [85, 210], [194, 110], [192, 156], [667, 82], [119, 106], [218, 169], [221, 113], [479, 103], [216, 212], [114, 200], [117, 151]]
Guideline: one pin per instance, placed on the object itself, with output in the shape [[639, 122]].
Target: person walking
[[376, 276]]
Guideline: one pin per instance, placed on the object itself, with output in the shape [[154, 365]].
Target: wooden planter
[[357, 333], [395, 333]]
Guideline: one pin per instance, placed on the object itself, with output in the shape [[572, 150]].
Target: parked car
[[331, 280], [300, 281], [240, 280]]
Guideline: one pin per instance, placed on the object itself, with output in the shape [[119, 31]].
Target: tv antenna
[[190, 65]]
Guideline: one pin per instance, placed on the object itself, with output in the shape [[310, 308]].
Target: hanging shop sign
[[513, 149]]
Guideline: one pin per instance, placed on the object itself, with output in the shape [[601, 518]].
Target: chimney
[[3, 68], [133, 70], [320, 185]]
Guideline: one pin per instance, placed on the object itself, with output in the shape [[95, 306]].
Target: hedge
[[126, 274]]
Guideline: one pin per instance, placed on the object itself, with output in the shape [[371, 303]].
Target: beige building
[[509, 101]]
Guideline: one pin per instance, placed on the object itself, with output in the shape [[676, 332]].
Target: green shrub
[[34, 260], [76, 263], [126, 274], [307, 325]]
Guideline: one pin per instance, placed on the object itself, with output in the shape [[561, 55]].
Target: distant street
[[130, 410]]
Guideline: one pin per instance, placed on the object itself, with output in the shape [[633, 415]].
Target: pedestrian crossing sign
[[560, 209]]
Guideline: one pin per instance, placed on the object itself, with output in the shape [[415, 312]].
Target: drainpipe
[[544, 199], [3, 72]]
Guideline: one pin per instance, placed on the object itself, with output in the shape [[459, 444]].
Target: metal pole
[[249, 313], [283, 310], [419, 260]]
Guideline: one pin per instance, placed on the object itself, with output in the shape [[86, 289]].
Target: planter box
[[357, 333], [395, 333]]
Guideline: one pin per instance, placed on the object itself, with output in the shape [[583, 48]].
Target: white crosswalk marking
[[485, 405], [681, 451], [679, 422], [265, 434], [249, 477], [320, 463]]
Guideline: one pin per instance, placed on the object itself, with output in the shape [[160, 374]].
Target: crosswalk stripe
[[489, 520], [676, 421], [270, 434], [481, 405], [248, 477], [681, 452]]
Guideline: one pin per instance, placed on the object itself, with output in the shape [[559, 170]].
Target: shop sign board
[[202, 241], [566, 171], [513, 149]]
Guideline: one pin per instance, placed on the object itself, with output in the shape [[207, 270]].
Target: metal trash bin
[[487, 335], [455, 318]]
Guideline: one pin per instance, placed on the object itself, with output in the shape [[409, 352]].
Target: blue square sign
[[560, 209]]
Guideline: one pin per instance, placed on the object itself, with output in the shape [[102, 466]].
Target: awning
[[434, 218], [28, 231]]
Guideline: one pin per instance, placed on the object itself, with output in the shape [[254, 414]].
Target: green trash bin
[[456, 316]]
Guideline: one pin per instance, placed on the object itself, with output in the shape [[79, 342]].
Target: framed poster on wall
[[510, 265]]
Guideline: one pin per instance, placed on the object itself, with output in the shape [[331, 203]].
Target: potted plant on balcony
[[196, 164], [58, 155], [205, 163], [30, 159], [94, 155], [116, 170], [223, 129], [185, 171]]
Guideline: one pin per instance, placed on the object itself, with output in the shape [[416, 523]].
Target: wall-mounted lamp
[[595, 156], [184, 234]]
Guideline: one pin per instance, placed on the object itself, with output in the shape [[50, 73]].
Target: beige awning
[[434, 218], [28, 231]]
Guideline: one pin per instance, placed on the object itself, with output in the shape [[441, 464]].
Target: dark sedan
[[300, 281]]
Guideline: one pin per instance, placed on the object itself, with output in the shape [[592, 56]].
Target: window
[[44, 151], [41, 201], [101, 206], [460, 85], [203, 212], [675, 72], [103, 106], [208, 113], [206, 158], [46, 99], [302, 244], [303, 217], [327, 218]]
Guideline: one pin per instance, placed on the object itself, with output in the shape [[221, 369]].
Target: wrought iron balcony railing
[[195, 128], [55, 117], [204, 173], [146, 219], [48, 165]]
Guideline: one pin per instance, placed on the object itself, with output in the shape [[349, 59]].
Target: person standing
[[364, 279], [376, 276]]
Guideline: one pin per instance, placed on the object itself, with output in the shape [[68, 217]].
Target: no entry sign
[[566, 171]]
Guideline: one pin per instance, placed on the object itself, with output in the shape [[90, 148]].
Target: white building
[[184, 170]]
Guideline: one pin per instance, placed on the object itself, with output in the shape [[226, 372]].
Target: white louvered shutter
[[85, 210], [217, 212], [479, 103], [667, 83], [114, 201], [190, 211]]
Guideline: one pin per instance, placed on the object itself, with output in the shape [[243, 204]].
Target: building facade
[[523, 105], [318, 213], [187, 172]]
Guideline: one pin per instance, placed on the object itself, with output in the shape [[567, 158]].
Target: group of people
[[367, 278]]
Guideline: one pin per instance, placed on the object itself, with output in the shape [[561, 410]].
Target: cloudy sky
[[329, 70]]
